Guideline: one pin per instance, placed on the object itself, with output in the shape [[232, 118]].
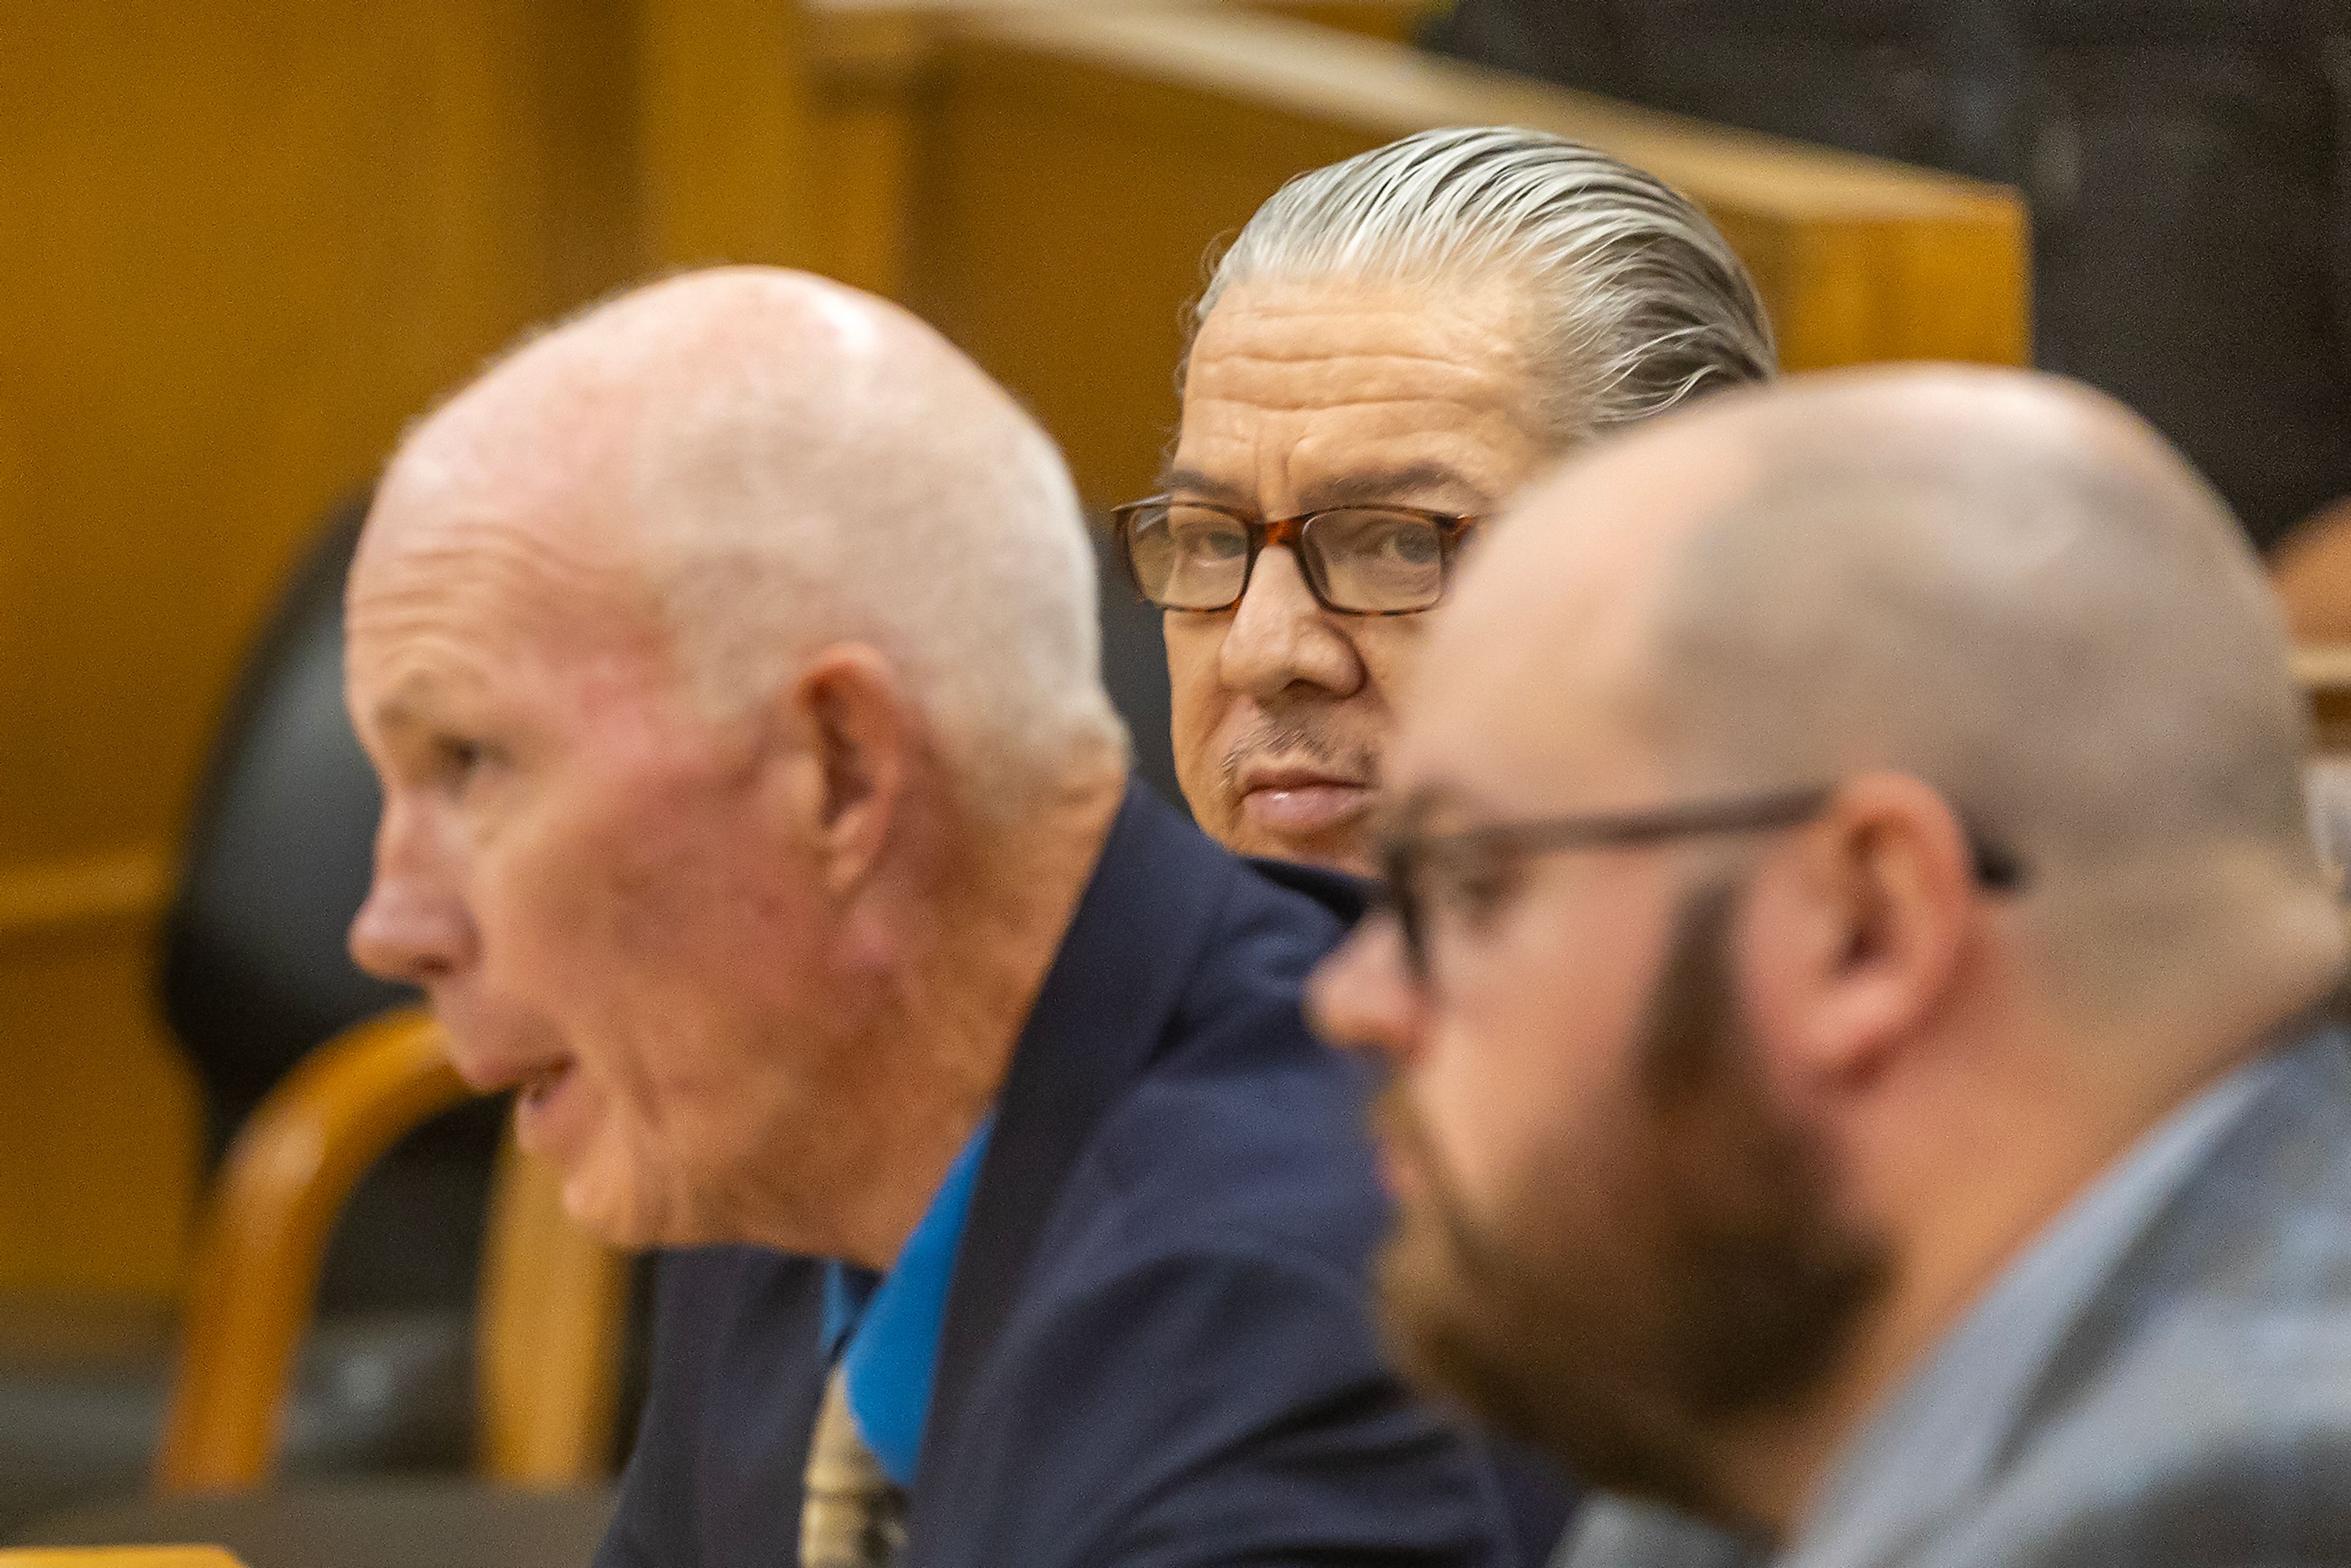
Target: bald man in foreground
[[752, 805], [1862, 997]]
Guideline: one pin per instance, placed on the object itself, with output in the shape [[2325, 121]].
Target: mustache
[[1296, 735]]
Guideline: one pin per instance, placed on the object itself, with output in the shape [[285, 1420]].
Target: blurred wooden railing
[[1060, 170]]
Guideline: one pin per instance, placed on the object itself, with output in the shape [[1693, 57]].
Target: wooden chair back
[[553, 1302]]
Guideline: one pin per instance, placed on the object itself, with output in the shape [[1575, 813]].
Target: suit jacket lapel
[[1137, 934]]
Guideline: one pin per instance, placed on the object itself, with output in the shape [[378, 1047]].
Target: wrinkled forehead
[[500, 549], [1390, 354], [1302, 395], [1440, 323]]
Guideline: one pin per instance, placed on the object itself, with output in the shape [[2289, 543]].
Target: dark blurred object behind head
[[2188, 165]]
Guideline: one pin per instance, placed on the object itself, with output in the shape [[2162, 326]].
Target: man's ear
[[846, 775], [1859, 923]]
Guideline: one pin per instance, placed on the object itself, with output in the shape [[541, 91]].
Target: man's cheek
[[1453, 1107], [1487, 1122]]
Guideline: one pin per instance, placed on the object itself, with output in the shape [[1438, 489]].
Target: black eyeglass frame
[[1291, 532], [1401, 855]]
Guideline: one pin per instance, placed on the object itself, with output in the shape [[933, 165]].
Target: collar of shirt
[[1936, 1442], [885, 1327]]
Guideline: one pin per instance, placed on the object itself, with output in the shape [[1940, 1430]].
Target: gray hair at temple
[[1640, 302]]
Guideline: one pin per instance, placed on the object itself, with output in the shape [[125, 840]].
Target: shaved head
[[775, 463], [2006, 585]]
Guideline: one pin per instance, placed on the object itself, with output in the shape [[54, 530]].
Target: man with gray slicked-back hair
[[1867, 1019], [754, 810], [1391, 347]]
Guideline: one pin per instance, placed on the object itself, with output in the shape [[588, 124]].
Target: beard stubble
[[1618, 1332]]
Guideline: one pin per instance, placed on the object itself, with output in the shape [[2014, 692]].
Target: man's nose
[[410, 933], [1361, 998], [1281, 638]]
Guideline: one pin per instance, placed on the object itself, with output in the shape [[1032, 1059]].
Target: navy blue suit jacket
[[1158, 1349]]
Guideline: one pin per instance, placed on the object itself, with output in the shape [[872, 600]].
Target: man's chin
[[1427, 1313], [1342, 846], [1532, 1369], [617, 1212]]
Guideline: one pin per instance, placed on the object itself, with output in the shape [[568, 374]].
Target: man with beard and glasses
[[1388, 350], [1862, 1001]]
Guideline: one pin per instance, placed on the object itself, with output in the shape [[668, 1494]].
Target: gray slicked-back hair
[[1639, 302]]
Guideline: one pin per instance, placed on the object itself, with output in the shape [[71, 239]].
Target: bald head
[[727, 658], [779, 462], [2003, 584]]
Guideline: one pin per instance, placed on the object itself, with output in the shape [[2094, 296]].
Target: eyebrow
[[394, 716], [1192, 482], [408, 705], [1362, 487]]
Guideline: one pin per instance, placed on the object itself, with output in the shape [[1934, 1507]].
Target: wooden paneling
[[2324, 672], [95, 1169], [119, 1557], [1074, 168], [243, 243], [868, 70], [723, 131]]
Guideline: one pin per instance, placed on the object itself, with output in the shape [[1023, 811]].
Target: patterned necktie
[[851, 1514]]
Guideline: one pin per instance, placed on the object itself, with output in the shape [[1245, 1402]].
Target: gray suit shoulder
[[2230, 1493], [2199, 1411]]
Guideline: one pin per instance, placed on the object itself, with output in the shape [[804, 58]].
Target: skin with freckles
[[756, 969], [1306, 396], [1887, 1077]]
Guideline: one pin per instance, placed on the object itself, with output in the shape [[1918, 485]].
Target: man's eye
[[1380, 538], [1413, 544], [1213, 544], [459, 760], [1476, 890]]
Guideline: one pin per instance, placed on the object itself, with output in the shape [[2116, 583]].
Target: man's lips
[[488, 1049], [487, 1071], [1300, 801], [542, 1097], [532, 1062], [533, 1088]]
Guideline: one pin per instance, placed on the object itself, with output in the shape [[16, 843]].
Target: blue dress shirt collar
[[885, 1329]]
